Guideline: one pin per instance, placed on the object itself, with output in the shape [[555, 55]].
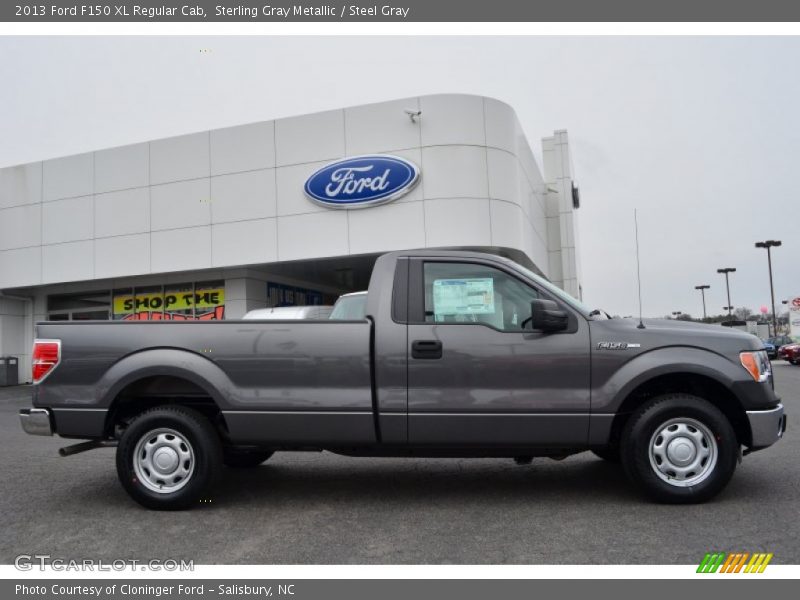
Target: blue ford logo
[[362, 181]]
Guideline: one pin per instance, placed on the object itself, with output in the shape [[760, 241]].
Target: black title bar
[[403, 11]]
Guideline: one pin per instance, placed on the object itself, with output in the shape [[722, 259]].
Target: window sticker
[[463, 297]]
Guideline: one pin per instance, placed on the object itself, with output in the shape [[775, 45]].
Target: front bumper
[[36, 421], [766, 426]]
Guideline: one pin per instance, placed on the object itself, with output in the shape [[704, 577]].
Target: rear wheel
[[168, 458], [679, 448]]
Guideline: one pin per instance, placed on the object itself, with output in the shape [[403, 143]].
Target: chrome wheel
[[683, 452], [163, 460]]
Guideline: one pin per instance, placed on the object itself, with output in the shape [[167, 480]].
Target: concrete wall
[[234, 196], [562, 227]]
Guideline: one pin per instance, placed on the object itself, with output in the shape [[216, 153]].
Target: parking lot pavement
[[322, 508]]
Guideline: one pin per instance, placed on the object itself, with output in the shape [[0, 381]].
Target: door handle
[[426, 349]]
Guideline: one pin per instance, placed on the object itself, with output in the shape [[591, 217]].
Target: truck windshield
[[556, 291], [350, 308]]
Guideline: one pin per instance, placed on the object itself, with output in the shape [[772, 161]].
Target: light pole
[[727, 271], [703, 289], [771, 244]]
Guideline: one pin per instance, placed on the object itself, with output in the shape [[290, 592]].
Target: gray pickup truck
[[460, 354]]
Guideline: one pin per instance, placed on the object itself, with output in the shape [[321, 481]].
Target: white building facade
[[213, 224]]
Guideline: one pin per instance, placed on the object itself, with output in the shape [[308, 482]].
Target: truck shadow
[[408, 482], [411, 483]]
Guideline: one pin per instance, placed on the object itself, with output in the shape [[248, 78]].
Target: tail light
[[46, 356]]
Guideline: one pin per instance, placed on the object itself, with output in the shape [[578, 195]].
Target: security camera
[[412, 114]]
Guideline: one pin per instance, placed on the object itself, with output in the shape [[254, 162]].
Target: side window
[[474, 293]]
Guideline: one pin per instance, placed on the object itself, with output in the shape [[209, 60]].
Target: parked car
[[350, 307], [772, 352], [790, 353], [780, 340], [461, 354], [290, 313]]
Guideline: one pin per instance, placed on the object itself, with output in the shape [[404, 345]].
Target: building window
[[185, 302], [209, 301], [148, 303], [175, 302], [95, 305], [177, 306], [279, 294], [123, 304]]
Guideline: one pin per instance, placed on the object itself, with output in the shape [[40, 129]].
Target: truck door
[[478, 373]]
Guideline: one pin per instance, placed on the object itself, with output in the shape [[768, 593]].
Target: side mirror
[[547, 316]]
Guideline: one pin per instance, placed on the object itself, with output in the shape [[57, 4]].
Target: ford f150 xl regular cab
[[460, 354]]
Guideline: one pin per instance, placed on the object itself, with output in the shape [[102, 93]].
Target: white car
[[290, 313], [350, 307]]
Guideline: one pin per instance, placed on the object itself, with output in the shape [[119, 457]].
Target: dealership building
[[212, 224]]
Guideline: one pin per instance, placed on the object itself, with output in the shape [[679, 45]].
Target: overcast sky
[[702, 135]]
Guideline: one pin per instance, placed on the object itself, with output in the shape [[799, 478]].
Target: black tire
[[640, 430], [608, 453], [202, 445], [244, 459]]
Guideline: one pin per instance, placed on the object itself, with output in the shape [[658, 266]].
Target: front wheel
[[679, 449], [168, 458]]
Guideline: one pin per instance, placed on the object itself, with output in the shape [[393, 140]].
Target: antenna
[[638, 274]]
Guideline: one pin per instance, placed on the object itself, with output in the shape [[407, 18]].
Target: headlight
[[757, 364]]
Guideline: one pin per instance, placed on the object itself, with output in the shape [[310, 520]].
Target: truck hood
[[662, 333]]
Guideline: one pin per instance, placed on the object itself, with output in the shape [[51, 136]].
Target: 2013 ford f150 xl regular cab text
[[461, 354]]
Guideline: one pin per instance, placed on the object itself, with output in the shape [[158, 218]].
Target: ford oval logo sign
[[362, 181]]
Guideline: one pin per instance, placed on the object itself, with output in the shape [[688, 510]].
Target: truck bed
[[272, 380]]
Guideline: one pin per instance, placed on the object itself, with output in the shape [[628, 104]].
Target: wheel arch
[[160, 377], [682, 381]]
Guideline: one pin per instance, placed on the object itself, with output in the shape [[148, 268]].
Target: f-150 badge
[[616, 345]]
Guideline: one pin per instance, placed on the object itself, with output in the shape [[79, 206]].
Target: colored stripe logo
[[734, 562]]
